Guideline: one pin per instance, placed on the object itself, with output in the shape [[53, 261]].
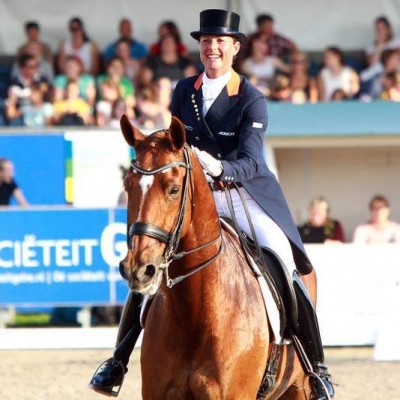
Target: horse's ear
[[177, 132], [131, 134]]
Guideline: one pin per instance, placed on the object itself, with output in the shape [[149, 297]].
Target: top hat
[[219, 22]]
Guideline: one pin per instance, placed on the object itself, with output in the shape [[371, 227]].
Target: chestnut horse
[[207, 334]]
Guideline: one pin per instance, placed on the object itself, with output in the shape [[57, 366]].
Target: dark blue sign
[[62, 257]]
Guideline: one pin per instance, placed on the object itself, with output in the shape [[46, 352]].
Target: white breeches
[[269, 234]]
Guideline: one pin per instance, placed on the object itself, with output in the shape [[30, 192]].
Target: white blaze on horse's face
[[145, 183]]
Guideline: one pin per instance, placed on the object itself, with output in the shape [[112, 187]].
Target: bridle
[[172, 239]]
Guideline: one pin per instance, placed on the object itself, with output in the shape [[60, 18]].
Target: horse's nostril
[[150, 270]]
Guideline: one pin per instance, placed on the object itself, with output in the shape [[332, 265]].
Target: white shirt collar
[[212, 88], [221, 81]]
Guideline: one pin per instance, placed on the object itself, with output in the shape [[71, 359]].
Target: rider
[[225, 119]]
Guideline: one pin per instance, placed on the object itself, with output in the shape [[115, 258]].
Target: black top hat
[[219, 22]]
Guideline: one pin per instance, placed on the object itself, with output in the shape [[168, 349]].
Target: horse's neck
[[197, 303], [203, 294], [186, 298], [205, 223]]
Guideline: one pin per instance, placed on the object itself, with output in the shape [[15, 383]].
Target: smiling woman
[[218, 47], [217, 53]]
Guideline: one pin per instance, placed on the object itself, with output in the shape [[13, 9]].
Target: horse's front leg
[[216, 381], [175, 388], [178, 393]]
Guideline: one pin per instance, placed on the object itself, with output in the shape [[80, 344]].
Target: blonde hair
[[3, 161], [320, 200]]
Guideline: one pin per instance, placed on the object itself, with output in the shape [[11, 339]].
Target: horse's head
[[158, 186]]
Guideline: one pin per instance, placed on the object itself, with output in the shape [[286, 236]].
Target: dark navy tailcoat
[[233, 131]]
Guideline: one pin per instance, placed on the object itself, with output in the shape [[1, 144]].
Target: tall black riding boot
[[111, 373], [310, 338]]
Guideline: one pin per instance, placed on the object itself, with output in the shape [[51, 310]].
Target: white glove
[[210, 165]]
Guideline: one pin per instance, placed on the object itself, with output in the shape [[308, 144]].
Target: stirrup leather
[[308, 368], [269, 379]]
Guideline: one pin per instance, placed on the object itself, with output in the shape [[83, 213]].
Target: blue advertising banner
[[62, 256], [40, 162]]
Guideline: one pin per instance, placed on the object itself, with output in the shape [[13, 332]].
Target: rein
[[172, 239], [256, 251]]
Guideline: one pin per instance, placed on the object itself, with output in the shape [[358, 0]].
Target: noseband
[[172, 239]]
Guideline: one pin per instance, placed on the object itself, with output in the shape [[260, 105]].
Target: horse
[[206, 333]]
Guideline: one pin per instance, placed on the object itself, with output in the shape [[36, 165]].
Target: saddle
[[277, 277]]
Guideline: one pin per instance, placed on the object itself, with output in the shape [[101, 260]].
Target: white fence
[[358, 303]]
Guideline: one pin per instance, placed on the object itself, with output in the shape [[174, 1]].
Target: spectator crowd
[[80, 85], [322, 228]]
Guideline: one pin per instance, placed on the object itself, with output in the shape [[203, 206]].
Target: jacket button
[[197, 138]]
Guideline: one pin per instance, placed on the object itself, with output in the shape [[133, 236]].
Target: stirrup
[[320, 379], [103, 390], [322, 376]]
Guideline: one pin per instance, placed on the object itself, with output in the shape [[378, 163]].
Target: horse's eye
[[174, 190]]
